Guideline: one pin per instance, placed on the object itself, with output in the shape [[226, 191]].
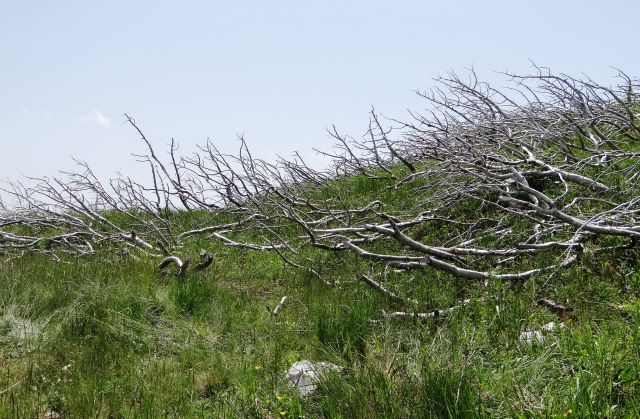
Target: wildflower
[[258, 367], [283, 413], [281, 398], [569, 412]]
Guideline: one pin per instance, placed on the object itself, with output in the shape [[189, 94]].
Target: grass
[[109, 336]]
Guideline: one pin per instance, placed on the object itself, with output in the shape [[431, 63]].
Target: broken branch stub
[[181, 264], [205, 260]]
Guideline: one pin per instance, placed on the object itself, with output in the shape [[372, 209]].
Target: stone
[[304, 375], [529, 336], [550, 327]]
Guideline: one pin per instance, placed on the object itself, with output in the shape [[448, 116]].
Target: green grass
[[109, 336], [96, 337]]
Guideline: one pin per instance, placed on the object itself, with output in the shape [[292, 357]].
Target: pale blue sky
[[279, 71]]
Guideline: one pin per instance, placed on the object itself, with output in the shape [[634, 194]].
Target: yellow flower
[[283, 413], [258, 367], [280, 398], [569, 412]]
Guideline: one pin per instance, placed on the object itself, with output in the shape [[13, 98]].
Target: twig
[[382, 290], [424, 315], [553, 306], [279, 306]]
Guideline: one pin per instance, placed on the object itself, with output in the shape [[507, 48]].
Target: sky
[[279, 72]]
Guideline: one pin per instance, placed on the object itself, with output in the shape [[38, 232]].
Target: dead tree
[[478, 182]]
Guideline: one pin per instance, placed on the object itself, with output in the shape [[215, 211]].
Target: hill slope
[[477, 261]]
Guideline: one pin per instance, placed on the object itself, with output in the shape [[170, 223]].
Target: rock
[[305, 375], [51, 414], [550, 327], [528, 336]]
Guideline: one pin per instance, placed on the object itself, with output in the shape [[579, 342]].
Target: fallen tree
[[482, 179]]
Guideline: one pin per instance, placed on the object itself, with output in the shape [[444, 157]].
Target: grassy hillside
[[480, 261], [109, 335]]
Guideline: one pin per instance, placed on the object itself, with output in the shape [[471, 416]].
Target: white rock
[[528, 336], [306, 374], [550, 327]]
